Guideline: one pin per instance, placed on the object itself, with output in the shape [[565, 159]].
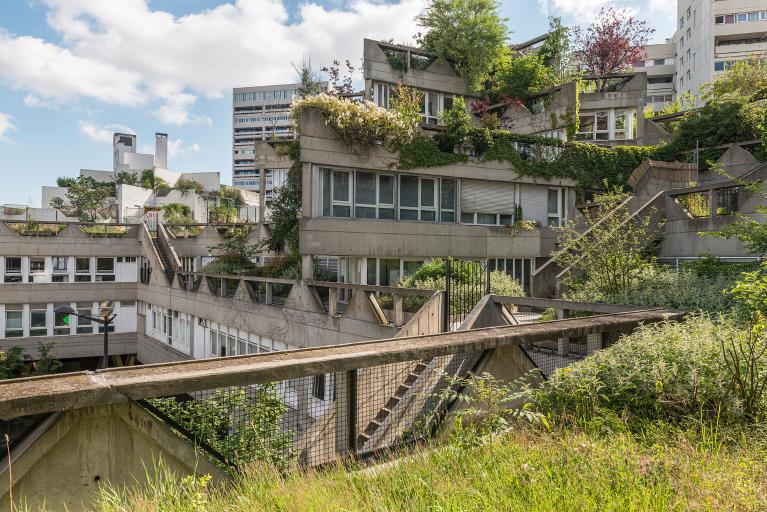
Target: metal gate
[[466, 282]]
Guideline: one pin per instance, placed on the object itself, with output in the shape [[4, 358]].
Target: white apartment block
[[660, 66], [713, 34], [258, 114]]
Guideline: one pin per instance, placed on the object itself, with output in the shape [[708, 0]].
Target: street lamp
[[66, 310]]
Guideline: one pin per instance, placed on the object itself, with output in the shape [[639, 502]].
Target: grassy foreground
[[520, 470]]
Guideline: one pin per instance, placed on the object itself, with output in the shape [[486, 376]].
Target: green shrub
[[663, 371], [663, 287]]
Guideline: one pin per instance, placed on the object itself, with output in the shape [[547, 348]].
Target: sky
[[72, 72]]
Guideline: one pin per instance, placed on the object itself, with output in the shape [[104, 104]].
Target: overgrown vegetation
[[244, 429], [15, 362]]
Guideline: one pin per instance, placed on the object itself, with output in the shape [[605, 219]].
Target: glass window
[[336, 193], [447, 201], [467, 218], [385, 196], [371, 271], [365, 195], [410, 267], [13, 265], [487, 219], [318, 387], [742, 17], [388, 271], [105, 265], [620, 125], [753, 16], [13, 321], [59, 264], [82, 265], [602, 131], [36, 265], [84, 325], [555, 207], [38, 325], [729, 18], [61, 321]]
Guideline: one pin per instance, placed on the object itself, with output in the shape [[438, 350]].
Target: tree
[[285, 212], [556, 51], [126, 178], [746, 78], [340, 83], [522, 77], [308, 79], [614, 42], [470, 33], [185, 184], [236, 248], [609, 259], [87, 199]]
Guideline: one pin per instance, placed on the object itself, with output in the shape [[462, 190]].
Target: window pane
[[340, 186], [83, 264], [505, 220], [366, 188], [389, 271], [410, 267], [408, 195], [428, 216], [13, 265], [408, 214], [37, 264], [486, 218], [326, 202], [553, 201], [342, 211], [13, 319], [447, 200], [371, 271], [105, 264], [386, 213], [447, 216], [386, 189], [365, 212], [602, 120], [467, 218], [37, 318], [433, 97], [427, 192]]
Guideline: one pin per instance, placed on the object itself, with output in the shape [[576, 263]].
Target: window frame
[[560, 216], [18, 312]]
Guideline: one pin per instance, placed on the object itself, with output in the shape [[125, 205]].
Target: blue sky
[[73, 71]]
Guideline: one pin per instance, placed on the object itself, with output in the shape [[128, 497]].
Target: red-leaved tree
[[612, 43]]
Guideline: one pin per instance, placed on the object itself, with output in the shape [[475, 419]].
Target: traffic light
[[65, 319]]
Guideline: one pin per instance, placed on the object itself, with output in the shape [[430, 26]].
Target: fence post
[[593, 342], [487, 278], [332, 301], [446, 299], [563, 346], [346, 412], [398, 316], [268, 293]]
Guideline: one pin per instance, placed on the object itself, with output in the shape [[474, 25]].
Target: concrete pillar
[[593, 342], [307, 267], [712, 203], [399, 318], [332, 301], [269, 288], [261, 195], [563, 346]]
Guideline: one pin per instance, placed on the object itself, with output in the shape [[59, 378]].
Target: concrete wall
[[49, 193], [66, 461]]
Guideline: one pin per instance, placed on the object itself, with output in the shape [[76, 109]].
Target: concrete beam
[[21, 397]]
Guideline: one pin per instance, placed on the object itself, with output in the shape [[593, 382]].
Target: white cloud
[[98, 133], [584, 11], [6, 126], [124, 53], [176, 111], [177, 147], [30, 100]]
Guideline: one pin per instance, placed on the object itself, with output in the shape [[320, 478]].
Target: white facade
[[712, 34], [258, 113], [660, 65]]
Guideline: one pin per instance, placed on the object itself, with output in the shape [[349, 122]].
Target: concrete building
[[660, 66], [259, 114], [713, 34]]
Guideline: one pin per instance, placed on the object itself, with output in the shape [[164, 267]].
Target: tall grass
[[526, 470]]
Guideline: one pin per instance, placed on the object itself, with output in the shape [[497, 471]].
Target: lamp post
[[66, 310]]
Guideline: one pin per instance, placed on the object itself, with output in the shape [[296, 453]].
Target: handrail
[[410, 292], [590, 307], [276, 280], [33, 395]]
